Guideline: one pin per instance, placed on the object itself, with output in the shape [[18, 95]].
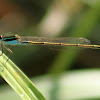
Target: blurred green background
[[60, 74]]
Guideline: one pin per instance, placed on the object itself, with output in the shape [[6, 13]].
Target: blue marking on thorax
[[14, 42]]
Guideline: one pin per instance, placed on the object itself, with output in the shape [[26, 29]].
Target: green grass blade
[[18, 80]]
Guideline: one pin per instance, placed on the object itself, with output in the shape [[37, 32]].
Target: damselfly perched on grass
[[28, 40]]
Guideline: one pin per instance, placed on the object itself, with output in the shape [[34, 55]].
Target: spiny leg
[[9, 50]]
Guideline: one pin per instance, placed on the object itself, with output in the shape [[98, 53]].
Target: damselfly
[[65, 41]]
